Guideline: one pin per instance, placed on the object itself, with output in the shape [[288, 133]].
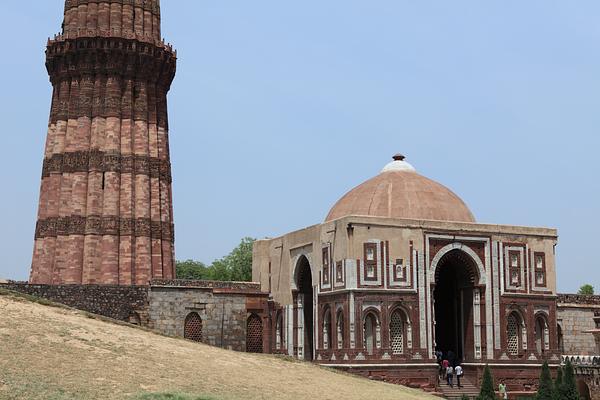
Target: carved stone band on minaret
[[115, 77], [98, 161], [99, 225]]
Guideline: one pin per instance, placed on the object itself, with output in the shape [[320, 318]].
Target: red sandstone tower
[[105, 210]]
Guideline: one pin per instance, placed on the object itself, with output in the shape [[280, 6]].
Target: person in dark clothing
[[441, 371], [452, 358]]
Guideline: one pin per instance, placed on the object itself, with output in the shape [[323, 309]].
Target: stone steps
[[467, 388]]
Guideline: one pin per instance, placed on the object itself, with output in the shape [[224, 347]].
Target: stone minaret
[[105, 210]]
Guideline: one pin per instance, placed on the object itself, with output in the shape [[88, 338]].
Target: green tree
[[190, 269], [236, 266], [219, 271], [545, 391], [487, 386], [239, 261], [558, 384], [569, 385], [586, 289]]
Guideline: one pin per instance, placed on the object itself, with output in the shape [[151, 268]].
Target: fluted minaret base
[[105, 209]]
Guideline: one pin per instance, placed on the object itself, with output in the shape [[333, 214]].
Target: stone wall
[[227, 285], [576, 316], [125, 303], [224, 308]]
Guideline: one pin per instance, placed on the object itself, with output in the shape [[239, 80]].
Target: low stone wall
[[125, 303], [232, 286], [223, 307], [576, 316]]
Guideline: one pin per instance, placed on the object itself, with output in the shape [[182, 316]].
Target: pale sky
[[279, 107]]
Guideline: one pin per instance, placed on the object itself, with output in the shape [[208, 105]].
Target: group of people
[[449, 366]]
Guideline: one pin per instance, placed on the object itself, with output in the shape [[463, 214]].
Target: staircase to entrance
[[468, 389]]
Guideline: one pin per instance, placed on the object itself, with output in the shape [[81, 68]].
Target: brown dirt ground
[[59, 353]]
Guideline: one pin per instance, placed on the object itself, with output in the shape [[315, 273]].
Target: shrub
[[569, 386], [546, 390], [487, 386]]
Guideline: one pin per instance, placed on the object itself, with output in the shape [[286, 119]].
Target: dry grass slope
[[57, 353]]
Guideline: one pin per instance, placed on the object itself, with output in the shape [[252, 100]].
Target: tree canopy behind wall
[[236, 266], [586, 289]]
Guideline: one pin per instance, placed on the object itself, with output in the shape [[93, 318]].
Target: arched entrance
[[455, 279], [305, 300], [584, 390]]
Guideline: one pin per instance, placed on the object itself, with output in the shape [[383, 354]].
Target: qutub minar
[[105, 209]]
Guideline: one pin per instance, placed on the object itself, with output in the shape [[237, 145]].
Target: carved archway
[[464, 248], [458, 274], [371, 331], [305, 306]]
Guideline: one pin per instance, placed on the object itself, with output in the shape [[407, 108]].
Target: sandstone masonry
[[105, 207]]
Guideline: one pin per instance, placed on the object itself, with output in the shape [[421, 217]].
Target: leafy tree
[[569, 386], [190, 269], [236, 266], [487, 386], [586, 289], [545, 391], [219, 271], [239, 261], [558, 384]]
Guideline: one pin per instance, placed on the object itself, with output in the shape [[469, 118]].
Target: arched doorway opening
[[327, 330], [371, 333], [455, 279], [305, 299], [584, 390], [279, 331], [559, 334], [340, 329], [541, 334]]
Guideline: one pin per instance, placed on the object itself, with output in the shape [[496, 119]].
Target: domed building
[[400, 270]]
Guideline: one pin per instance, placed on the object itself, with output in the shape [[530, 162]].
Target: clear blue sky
[[280, 107]]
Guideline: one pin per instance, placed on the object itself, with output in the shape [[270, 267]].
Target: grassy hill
[[56, 353]]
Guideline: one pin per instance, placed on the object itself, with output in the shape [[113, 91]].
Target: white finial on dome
[[398, 165]]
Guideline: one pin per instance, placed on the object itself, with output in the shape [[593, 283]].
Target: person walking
[[502, 390], [443, 368], [449, 373], [459, 373], [439, 357]]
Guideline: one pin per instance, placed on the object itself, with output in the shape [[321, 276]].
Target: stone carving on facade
[[99, 161], [109, 225]]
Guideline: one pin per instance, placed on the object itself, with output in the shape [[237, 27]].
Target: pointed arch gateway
[[456, 298], [304, 303]]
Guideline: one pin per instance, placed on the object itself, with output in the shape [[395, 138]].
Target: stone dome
[[400, 192]]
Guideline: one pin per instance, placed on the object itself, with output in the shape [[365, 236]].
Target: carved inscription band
[[97, 225], [99, 161], [147, 5]]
